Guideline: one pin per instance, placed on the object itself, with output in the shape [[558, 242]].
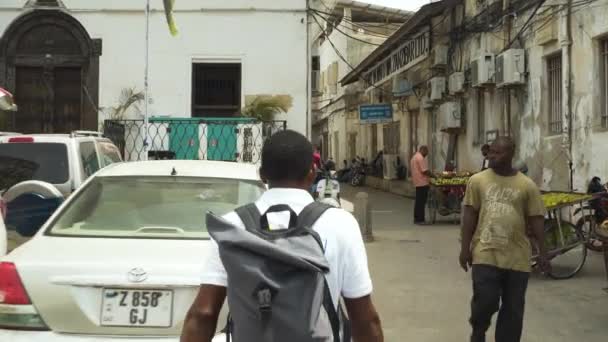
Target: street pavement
[[423, 295]]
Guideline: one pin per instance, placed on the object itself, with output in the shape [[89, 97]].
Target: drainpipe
[[308, 74], [566, 43], [146, 80], [507, 93]]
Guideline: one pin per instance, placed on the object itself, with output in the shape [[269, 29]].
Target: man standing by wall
[[499, 203], [421, 178]]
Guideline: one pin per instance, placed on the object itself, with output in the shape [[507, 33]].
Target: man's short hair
[[286, 156]]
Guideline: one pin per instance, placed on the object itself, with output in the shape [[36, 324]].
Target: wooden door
[[31, 95], [67, 100], [49, 100]]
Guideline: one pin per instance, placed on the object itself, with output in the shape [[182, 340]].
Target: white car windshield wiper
[[159, 230]]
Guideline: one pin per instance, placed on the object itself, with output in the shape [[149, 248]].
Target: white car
[[64, 161], [121, 258]]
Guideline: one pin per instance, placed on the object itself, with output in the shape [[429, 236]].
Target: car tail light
[[22, 315], [21, 140], [12, 291]]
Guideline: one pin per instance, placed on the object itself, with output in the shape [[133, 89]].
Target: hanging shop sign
[[376, 113], [410, 53]]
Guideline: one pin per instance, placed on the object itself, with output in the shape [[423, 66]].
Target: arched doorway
[[50, 63]]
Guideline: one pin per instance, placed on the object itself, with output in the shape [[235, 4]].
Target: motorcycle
[[594, 213], [358, 175]]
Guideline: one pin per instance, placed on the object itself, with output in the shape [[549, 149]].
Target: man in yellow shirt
[[499, 203]]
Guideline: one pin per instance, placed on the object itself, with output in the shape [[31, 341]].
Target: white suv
[[45, 166]]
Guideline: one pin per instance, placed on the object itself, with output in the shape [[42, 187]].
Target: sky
[[411, 5]]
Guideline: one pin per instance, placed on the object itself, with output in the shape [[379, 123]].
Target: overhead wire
[[344, 33], [355, 24], [367, 32], [341, 56]]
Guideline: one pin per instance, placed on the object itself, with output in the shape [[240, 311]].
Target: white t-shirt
[[335, 190], [341, 236]]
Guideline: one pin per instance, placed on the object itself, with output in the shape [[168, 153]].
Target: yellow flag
[[169, 14]]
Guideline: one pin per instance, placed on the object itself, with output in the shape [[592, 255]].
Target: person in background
[[401, 169], [328, 188], [485, 149], [421, 176], [450, 166], [316, 158], [378, 164], [498, 206]]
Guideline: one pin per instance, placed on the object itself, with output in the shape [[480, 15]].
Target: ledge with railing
[[220, 139]]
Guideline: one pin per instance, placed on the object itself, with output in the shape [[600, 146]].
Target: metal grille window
[[604, 80], [392, 138], [554, 77], [216, 89], [316, 74], [481, 117]]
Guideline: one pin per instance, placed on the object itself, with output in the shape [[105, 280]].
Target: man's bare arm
[[366, 326], [537, 225], [469, 225], [201, 321]]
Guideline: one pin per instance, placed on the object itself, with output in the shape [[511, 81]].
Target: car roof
[[53, 137], [183, 168]]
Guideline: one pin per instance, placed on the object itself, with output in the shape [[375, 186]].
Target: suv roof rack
[[86, 134]]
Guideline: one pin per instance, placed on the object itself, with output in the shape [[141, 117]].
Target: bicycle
[[565, 245]]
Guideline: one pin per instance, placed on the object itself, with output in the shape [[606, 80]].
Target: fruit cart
[[446, 195], [565, 242]]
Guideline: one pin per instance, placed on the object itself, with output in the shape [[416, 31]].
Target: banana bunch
[[554, 199], [449, 181]]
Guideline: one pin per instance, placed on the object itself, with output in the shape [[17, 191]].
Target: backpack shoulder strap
[[250, 215], [309, 215]]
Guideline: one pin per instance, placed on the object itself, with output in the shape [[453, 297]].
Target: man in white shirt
[[287, 167]]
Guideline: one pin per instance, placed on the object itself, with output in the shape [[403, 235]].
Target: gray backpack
[[277, 289]]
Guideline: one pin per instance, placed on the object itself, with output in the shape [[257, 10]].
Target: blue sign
[[376, 113]]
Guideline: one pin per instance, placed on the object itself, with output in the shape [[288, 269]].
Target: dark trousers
[[496, 289], [422, 193]]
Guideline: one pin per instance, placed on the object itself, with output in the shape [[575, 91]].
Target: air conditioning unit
[[402, 87], [456, 83], [482, 70], [450, 115], [440, 56], [388, 166], [437, 88], [511, 68]]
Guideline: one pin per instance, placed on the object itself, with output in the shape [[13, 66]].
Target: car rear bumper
[[49, 336]]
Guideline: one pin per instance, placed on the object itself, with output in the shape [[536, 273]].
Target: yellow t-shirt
[[504, 205]]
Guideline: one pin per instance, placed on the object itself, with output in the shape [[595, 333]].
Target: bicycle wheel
[[587, 225], [566, 249]]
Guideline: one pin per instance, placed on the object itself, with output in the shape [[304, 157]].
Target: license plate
[[137, 308]]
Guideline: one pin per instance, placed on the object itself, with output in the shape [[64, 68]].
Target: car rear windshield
[[151, 207], [47, 162]]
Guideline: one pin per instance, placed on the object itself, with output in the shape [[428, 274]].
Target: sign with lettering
[[412, 52], [376, 113]]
